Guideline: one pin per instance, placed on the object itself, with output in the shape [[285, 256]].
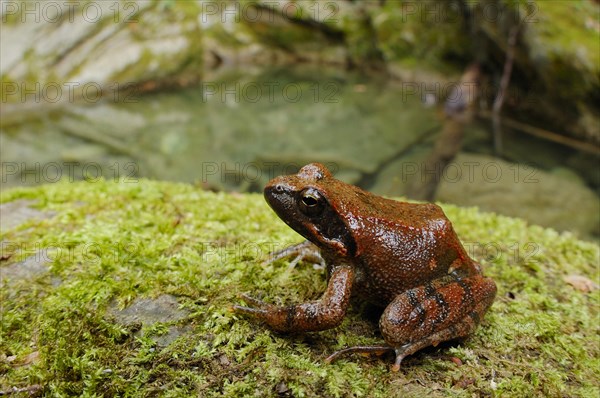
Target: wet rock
[[63, 52], [556, 72], [396, 178], [146, 311], [172, 334], [164, 308], [540, 197], [28, 269], [71, 49], [13, 214]]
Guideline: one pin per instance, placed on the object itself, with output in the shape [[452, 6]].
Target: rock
[[60, 52], [63, 52], [395, 179], [30, 268], [164, 308], [537, 196], [148, 312], [13, 214], [557, 63]]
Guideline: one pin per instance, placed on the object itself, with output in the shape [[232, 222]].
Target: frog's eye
[[312, 202]]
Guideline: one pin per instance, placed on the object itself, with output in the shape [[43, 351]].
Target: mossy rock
[[67, 326]]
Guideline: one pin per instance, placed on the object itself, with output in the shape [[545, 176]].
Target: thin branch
[[545, 134], [31, 390], [504, 81]]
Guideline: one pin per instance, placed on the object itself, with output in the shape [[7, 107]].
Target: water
[[245, 127]]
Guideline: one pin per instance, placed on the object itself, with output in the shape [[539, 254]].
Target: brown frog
[[405, 257]]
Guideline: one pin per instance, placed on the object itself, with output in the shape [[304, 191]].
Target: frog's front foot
[[257, 309], [278, 318], [325, 313], [305, 251]]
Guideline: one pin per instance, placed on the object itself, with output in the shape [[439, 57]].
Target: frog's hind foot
[[362, 349], [410, 348], [401, 352], [454, 332]]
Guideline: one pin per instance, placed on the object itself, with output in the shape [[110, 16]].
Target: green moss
[[115, 242], [564, 39], [404, 31], [273, 30], [565, 23]]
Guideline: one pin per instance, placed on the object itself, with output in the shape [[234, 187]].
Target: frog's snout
[[278, 195], [277, 188]]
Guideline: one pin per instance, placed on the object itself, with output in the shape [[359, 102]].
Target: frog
[[403, 257]]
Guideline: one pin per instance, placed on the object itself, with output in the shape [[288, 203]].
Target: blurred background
[[488, 103]]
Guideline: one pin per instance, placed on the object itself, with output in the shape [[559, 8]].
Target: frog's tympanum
[[404, 257]]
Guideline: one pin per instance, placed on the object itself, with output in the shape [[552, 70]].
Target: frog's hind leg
[[428, 315], [449, 333]]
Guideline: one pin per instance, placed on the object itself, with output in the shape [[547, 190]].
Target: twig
[[29, 389], [73, 129], [504, 81], [545, 134]]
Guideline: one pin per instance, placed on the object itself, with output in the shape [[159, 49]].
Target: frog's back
[[403, 245], [400, 214]]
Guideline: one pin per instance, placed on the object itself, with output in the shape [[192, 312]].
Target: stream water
[[244, 127]]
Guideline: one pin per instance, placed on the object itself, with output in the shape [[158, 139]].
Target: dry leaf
[[580, 283]]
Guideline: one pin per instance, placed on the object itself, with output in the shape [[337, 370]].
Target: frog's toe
[[255, 312], [375, 349], [256, 308], [253, 301], [399, 358], [305, 251]]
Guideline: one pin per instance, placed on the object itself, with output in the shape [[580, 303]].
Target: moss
[[274, 30], [571, 69], [563, 23], [403, 31], [116, 242]]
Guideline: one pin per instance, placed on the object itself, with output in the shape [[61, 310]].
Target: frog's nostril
[[277, 188]]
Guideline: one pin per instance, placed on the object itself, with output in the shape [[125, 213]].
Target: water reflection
[[241, 129]]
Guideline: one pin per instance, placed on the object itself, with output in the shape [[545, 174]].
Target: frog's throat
[[335, 244]]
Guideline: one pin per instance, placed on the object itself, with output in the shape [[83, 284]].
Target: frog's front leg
[[325, 313], [305, 251]]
